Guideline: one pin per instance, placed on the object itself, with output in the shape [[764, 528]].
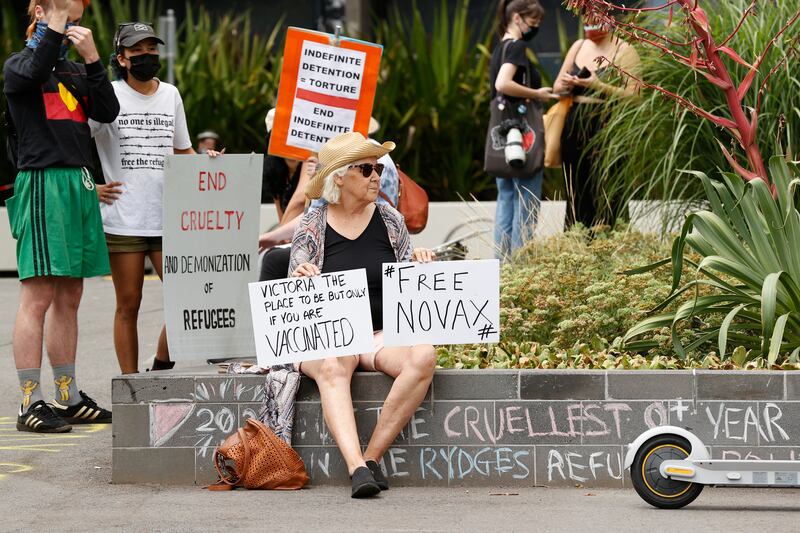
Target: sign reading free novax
[[444, 302], [211, 222]]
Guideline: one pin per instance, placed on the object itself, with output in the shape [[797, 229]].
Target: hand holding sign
[[441, 303], [306, 269], [423, 255]]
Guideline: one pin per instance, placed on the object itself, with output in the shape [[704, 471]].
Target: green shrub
[[747, 259], [565, 302], [433, 98], [568, 289]]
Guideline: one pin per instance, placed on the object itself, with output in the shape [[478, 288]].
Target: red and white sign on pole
[[325, 90]]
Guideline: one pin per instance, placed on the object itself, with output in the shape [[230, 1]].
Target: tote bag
[[525, 113]]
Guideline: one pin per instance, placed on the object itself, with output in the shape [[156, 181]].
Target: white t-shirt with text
[[132, 151]]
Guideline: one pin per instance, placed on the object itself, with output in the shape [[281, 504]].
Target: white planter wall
[[448, 221]]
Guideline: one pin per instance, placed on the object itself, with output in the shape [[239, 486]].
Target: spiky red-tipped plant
[[701, 53], [746, 239]]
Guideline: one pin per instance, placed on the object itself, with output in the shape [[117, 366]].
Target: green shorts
[[55, 218], [131, 243]]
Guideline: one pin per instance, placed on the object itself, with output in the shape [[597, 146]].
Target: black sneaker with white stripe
[[39, 418], [85, 412]]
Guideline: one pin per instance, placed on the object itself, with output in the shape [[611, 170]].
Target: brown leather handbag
[[412, 202], [261, 460]]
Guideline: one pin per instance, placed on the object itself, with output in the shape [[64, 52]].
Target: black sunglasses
[[367, 168]]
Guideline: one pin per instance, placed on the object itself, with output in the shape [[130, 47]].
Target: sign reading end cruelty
[[447, 302], [211, 219], [301, 319], [325, 91]]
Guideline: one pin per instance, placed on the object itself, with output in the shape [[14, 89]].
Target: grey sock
[[66, 388], [29, 385]]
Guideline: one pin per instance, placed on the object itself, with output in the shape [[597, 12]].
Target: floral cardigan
[[308, 243]]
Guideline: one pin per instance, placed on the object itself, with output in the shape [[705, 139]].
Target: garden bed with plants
[[566, 302], [726, 292]]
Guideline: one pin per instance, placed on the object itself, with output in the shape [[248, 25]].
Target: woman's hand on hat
[[84, 43], [307, 270], [423, 255], [109, 192]]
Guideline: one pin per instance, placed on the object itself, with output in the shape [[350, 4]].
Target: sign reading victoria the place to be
[[301, 319]]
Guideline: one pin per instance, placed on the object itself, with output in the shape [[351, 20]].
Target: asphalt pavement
[[63, 482]]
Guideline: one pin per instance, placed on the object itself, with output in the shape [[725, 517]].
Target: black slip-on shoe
[[377, 473], [364, 485], [40, 418], [85, 412]]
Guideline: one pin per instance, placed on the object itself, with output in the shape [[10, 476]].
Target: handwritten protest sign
[[301, 319], [325, 90], [211, 219], [448, 302]]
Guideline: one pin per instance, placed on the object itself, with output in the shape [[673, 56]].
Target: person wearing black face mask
[[592, 90], [517, 198], [151, 124]]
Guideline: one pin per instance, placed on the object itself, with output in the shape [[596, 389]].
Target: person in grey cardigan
[[352, 232]]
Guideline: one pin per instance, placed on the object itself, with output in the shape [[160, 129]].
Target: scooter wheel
[[654, 488]]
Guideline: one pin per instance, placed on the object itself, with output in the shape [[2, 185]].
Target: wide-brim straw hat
[[338, 152]]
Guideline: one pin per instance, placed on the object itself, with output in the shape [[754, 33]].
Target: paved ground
[[62, 483]]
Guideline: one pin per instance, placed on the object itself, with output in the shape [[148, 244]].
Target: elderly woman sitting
[[352, 232]]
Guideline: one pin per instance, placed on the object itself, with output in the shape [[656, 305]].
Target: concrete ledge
[[475, 427]]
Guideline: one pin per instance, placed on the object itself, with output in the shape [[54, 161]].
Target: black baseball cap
[[131, 33]]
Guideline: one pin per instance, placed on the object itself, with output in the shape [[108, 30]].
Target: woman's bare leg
[[162, 349], [127, 272], [333, 378], [412, 367]]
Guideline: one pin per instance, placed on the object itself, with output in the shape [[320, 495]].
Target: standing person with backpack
[[151, 124], [54, 215], [513, 77]]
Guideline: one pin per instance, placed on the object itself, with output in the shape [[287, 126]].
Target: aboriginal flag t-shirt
[[132, 150], [50, 101]]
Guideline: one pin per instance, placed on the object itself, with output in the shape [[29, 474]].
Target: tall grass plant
[[647, 141]]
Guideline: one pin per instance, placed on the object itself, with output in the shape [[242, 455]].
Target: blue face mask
[[38, 35]]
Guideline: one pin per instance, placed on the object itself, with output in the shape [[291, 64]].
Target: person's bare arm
[[279, 235], [628, 61], [506, 85], [562, 84], [297, 202]]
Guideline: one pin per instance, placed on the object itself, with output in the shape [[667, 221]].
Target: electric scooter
[[670, 466]]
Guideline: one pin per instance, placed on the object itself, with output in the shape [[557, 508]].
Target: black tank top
[[580, 91], [369, 250]]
